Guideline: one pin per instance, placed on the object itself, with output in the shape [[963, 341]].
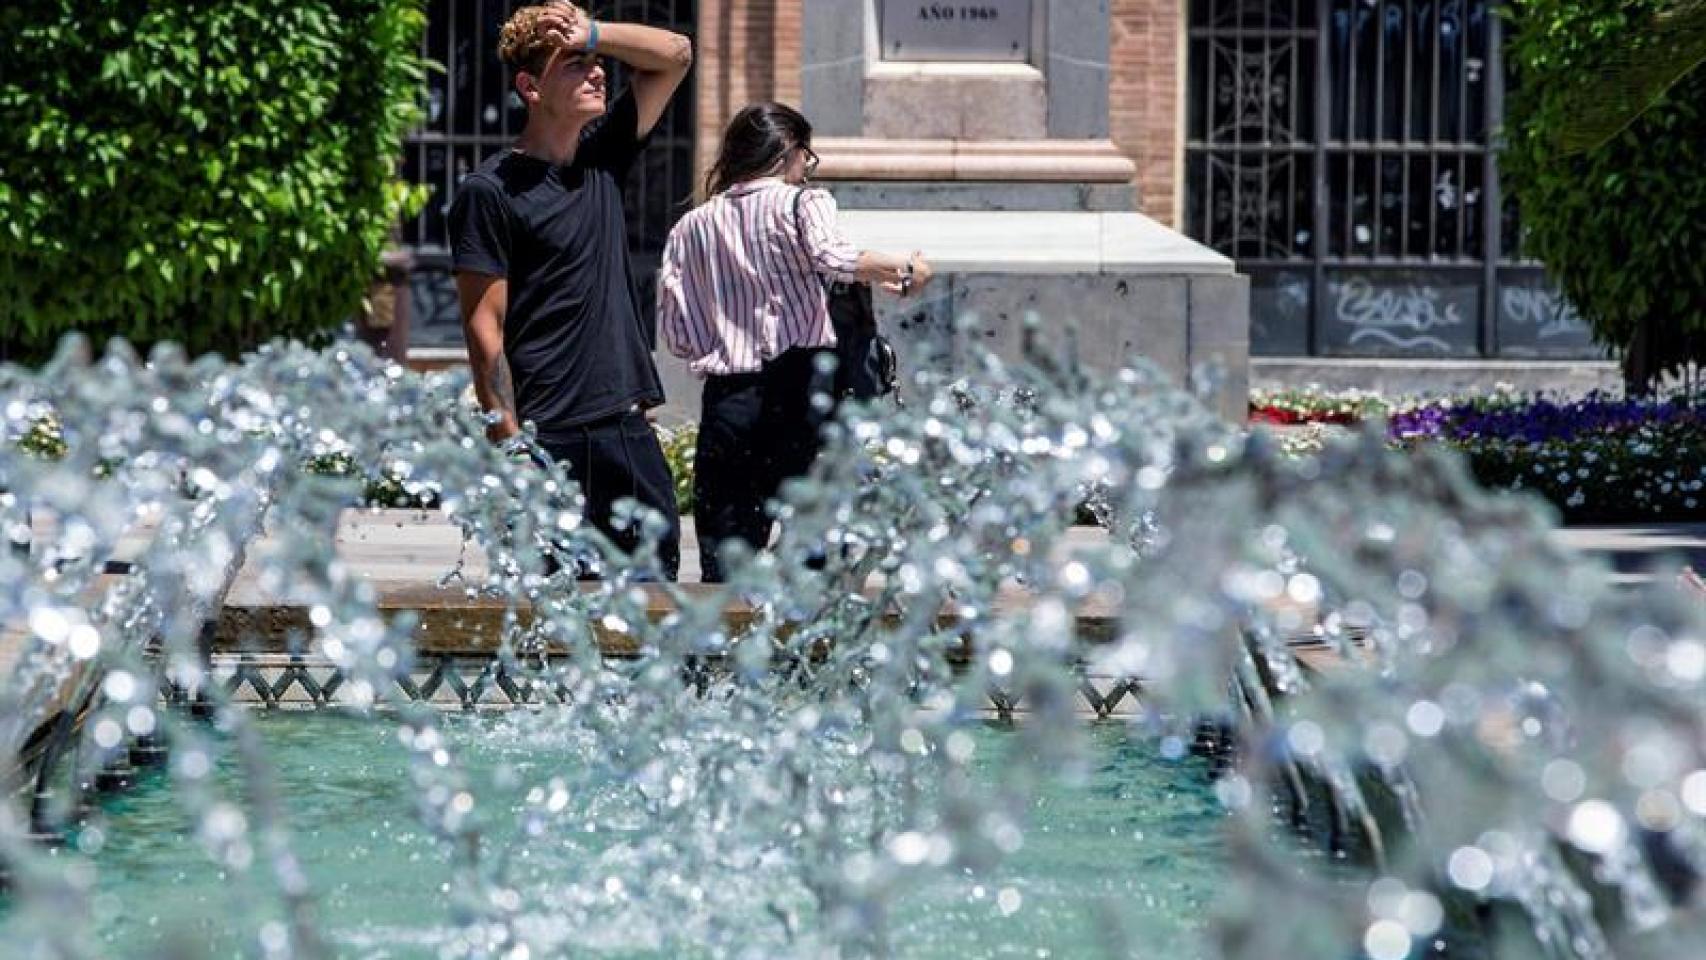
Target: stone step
[[1429, 376]]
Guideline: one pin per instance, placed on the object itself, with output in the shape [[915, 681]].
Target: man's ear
[[527, 87]]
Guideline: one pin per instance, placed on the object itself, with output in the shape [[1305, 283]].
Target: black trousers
[[756, 430], [616, 458]]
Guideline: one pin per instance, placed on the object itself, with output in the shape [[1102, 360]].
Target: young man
[[549, 306]]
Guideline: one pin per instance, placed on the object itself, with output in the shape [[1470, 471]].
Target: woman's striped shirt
[[740, 283]]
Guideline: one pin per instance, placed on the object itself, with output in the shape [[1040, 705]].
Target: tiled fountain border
[[452, 682], [457, 639]]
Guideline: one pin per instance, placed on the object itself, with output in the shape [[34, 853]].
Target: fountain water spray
[[1510, 761]]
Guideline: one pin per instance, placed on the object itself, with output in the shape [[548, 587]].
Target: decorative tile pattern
[[298, 682]]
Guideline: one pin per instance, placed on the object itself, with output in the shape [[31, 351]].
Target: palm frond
[[1670, 46]]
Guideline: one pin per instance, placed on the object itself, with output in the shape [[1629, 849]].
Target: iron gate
[[471, 112], [1339, 151]]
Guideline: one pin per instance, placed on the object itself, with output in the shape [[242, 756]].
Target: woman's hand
[[917, 276], [901, 277], [908, 278], [884, 270]]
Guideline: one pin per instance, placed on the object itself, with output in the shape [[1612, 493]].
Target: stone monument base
[[1121, 286]]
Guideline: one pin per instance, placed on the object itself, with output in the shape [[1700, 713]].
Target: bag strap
[[866, 318], [800, 231], [799, 198]]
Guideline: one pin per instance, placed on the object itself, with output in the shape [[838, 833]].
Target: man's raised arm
[[660, 58]]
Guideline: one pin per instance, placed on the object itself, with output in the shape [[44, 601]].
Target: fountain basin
[[1139, 829]]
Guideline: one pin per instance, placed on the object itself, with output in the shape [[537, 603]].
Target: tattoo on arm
[[500, 386], [498, 381]]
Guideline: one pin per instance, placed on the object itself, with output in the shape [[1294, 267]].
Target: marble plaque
[[990, 31]]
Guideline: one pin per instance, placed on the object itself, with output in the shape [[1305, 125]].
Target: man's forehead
[[562, 61]]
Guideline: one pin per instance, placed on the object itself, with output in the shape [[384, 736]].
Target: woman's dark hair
[[754, 144]]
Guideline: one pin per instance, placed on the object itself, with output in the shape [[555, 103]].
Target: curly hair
[[522, 43]]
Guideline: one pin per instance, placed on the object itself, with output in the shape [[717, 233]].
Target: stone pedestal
[[1119, 284], [851, 87], [993, 159]]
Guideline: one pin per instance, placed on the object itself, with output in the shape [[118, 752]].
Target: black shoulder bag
[[867, 368]]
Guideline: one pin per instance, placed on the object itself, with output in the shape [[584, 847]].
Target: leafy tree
[[216, 174], [1636, 75], [1606, 138]]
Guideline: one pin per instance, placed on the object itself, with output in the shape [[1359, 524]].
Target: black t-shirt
[[578, 348]]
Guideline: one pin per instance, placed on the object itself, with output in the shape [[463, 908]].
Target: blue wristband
[[591, 36]]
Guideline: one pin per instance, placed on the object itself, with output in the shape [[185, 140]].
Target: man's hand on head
[[566, 24]]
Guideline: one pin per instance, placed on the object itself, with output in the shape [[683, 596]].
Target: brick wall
[[788, 51], [746, 51], [749, 50], [1146, 98]]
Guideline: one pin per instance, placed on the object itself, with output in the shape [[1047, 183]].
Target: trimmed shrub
[[1622, 226], [217, 174]]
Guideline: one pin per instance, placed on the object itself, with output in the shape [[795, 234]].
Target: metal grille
[[472, 111], [1339, 151]]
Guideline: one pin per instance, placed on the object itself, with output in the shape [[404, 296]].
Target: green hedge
[[212, 173], [1623, 226]]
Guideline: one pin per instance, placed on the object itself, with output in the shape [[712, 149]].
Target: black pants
[[756, 430], [616, 458]]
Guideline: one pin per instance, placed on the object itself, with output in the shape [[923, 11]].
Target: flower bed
[[1314, 405], [1599, 459], [382, 487], [680, 446]]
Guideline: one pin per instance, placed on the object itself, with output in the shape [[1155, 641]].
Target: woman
[[741, 297]]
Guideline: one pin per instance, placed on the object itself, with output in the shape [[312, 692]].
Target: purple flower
[[1540, 420]]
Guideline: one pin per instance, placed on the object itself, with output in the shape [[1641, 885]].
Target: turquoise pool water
[[1125, 863]]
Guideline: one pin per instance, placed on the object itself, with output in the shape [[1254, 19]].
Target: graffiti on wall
[[1410, 316]]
